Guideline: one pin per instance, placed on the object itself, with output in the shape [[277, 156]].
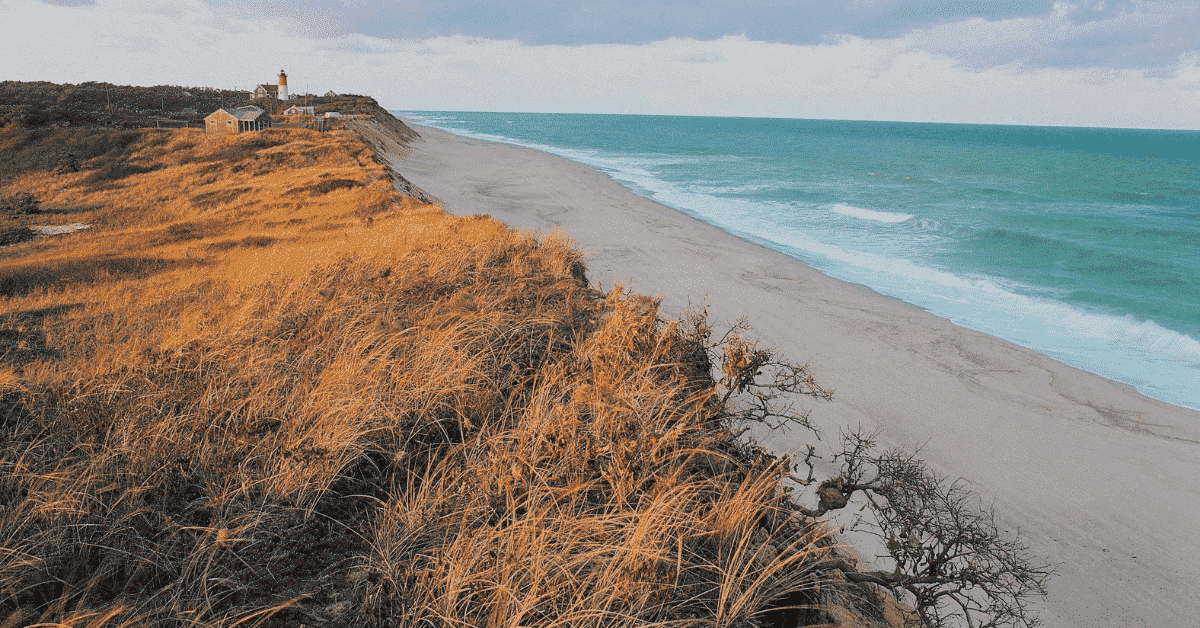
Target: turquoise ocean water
[[1080, 243]]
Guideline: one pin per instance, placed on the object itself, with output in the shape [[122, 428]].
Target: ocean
[[1080, 243]]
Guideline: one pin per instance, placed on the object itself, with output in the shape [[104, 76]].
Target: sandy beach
[[1099, 479]]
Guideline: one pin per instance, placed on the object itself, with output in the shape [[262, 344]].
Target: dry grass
[[266, 389]]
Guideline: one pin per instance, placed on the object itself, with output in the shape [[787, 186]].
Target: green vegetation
[[41, 104]]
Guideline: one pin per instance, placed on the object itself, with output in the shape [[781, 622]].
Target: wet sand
[[1099, 478]]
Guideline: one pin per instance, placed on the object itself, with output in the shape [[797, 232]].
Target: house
[[247, 118], [330, 94], [279, 91], [266, 91], [296, 110], [332, 114]]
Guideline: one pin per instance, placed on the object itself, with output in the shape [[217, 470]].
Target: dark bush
[[13, 234], [25, 150], [186, 231], [37, 104], [67, 163], [217, 198], [247, 242], [119, 170], [325, 187], [248, 149], [20, 204]]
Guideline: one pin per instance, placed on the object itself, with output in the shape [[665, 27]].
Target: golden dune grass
[[266, 389]]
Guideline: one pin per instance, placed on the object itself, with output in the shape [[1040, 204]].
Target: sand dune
[[1098, 477]]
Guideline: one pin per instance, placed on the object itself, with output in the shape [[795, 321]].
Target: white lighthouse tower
[[283, 93]]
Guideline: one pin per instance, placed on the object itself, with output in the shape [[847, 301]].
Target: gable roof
[[274, 89], [248, 113]]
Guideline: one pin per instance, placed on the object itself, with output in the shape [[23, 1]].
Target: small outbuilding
[[296, 110], [247, 118]]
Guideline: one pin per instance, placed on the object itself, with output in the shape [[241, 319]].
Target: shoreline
[[1127, 347], [1100, 479]]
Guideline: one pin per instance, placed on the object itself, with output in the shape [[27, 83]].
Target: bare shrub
[[953, 565], [951, 561]]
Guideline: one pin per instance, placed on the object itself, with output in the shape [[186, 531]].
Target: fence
[[168, 123]]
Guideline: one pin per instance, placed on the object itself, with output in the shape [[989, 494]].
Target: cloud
[[1124, 35], [911, 77], [573, 22]]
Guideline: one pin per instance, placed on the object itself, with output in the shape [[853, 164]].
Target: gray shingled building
[[247, 118]]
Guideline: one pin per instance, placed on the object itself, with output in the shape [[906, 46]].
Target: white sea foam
[[718, 187], [1158, 361], [870, 214]]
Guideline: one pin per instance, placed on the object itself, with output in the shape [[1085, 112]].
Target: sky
[[1090, 63]]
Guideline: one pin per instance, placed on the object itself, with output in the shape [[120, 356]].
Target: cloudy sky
[[1093, 63]]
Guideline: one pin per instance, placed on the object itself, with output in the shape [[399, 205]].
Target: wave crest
[[870, 214]]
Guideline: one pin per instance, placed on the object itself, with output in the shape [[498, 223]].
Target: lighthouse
[[283, 93]]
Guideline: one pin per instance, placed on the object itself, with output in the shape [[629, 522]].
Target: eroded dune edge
[[1100, 480]]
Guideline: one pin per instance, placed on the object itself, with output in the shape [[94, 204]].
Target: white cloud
[[1139, 34], [127, 41]]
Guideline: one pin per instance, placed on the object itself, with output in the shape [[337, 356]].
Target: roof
[[269, 88], [248, 113]]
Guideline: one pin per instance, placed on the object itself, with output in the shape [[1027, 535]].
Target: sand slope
[[1098, 477]]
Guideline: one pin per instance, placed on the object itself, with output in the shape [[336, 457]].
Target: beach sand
[[1099, 479]]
